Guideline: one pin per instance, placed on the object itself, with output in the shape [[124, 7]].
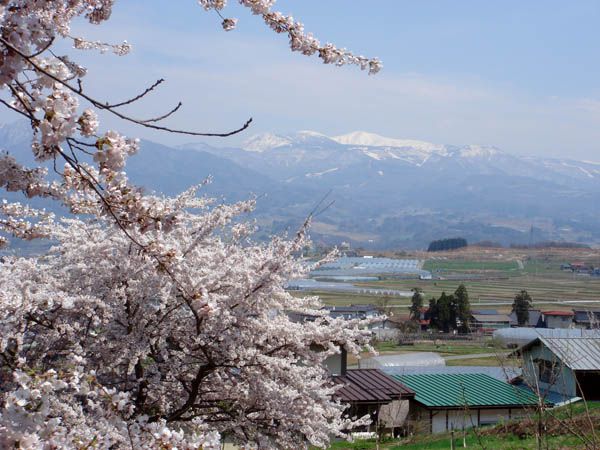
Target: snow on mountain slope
[[269, 141], [366, 139], [478, 151], [265, 141]]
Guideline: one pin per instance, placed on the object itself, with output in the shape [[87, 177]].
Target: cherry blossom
[[155, 322]]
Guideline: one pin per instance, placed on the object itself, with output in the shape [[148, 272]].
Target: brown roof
[[370, 386]]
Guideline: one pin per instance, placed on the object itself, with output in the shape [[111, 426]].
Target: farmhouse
[[353, 311], [567, 366], [488, 320], [445, 402], [557, 319]]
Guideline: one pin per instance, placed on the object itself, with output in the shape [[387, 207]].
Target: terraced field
[[491, 282], [435, 265]]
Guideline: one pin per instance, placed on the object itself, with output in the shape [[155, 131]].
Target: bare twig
[[78, 91]]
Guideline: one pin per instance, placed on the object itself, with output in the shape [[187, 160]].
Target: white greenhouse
[[386, 362]]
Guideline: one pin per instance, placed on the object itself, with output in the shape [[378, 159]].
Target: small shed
[[446, 402], [569, 366], [368, 390]]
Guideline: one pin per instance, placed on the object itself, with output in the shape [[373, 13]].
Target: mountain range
[[387, 193]]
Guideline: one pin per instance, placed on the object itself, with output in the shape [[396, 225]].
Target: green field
[[488, 281], [443, 348], [451, 265]]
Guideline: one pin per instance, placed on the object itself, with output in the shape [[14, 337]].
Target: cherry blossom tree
[[155, 322]]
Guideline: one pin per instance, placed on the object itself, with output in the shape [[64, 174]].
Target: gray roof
[[577, 353], [484, 311], [491, 318], [522, 335]]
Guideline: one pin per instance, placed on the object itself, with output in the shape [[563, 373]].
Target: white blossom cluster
[[157, 323], [300, 41], [132, 350], [47, 89]]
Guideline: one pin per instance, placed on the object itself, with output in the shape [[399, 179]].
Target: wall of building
[[563, 379], [336, 363], [558, 321], [425, 421]]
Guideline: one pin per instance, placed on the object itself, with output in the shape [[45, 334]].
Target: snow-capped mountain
[[268, 141], [364, 139], [288, 156], [378, 180], [388, 192]]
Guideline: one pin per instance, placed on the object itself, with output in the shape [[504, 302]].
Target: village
[[210, 242], [494, 365]]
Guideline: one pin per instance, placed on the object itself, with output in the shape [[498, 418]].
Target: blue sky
[[521, 75]]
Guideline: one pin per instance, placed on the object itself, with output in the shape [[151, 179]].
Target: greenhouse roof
[[408, 359], [465, 390]]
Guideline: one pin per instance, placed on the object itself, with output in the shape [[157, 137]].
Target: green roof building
[[445, 402]]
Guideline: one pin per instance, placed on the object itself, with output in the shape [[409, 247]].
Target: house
[[586, 318], [424, 318], [360, 312], [488, 321], [353, 311], [534, 320], [557, 319], [445, 402], [568, 366]]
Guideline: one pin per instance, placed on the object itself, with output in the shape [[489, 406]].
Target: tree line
[[446, 244]]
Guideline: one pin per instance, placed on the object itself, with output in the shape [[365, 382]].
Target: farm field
[[493, 277], [434, 265]]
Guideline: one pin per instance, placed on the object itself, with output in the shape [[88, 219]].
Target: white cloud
[[223, 78]]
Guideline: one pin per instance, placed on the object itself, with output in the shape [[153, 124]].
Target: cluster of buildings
[[419, 394], [488, 320], [581, 268], [558, 362]]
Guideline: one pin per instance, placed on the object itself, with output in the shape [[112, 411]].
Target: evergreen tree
[[416, 304], [446, 317], [432, 314], [463, 307], [521, 306]]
